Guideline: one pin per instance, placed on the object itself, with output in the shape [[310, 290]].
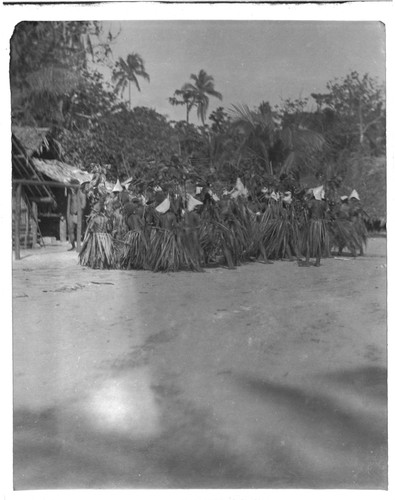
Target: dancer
[[316, 236]]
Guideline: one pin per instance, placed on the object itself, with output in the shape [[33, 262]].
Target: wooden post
[[34, 223], [68, 214], [79, 219], [27, 227], [17, 224]]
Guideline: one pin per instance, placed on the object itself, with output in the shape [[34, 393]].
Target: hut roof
[[23, 168], [32, 139], [61, 172]]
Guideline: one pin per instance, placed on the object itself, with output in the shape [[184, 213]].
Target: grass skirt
[[343, 235], [168, 253], [256, 240], [98, 251], [210, 240], [279, 235], [361, 232], [316, 238], [134, 251], [235, 237]]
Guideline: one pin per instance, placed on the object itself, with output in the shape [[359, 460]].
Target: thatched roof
[[23, 168], [32, 139], [61, 172]]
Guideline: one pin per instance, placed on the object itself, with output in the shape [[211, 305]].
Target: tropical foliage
[[48, 62], [337, 137]]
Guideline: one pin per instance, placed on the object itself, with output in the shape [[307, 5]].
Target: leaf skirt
[[361, 231], [168, 253], [316, 238], [343, 235], [98, 251], [278, 235], [134, 251]]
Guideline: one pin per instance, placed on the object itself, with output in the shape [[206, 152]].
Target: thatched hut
[[41, 189], [25, 202]]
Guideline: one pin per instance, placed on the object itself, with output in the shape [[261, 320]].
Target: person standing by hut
[[75, 197]]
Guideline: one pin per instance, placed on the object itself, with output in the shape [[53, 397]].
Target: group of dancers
[[193, 228]]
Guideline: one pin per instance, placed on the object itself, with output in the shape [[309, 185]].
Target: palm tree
[[183, 98], [200, 89], [126, 72]]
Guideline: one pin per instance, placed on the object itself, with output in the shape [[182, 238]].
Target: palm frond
[[54, 80]]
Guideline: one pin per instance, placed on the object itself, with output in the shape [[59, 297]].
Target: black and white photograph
[[199, 254]]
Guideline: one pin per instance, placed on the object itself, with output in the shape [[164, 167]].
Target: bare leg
[[228, 258], [289, 253], [306, 263], [262, 253], [71, 235]]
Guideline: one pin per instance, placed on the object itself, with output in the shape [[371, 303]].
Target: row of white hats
[[319, 194], [192, 203]]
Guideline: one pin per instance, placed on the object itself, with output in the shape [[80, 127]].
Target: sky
[[250, 61]]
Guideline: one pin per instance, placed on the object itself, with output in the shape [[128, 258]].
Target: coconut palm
[[183, 98], [126, 72], [201, 88]]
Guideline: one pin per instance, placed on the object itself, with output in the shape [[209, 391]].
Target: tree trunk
[[361, 128]]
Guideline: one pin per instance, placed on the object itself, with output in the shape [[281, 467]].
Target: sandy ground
[[268, 376]]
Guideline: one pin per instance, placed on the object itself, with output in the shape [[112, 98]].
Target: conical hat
[[243, 191], [354, 194], [319, 193], [239, 184], [117, 188], [275, 196], [192, 203], [164, 206], [287, 198]]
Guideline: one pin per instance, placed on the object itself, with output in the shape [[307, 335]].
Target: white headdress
[[192, 203], [163, 207], [117, 188], [319, 193]]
